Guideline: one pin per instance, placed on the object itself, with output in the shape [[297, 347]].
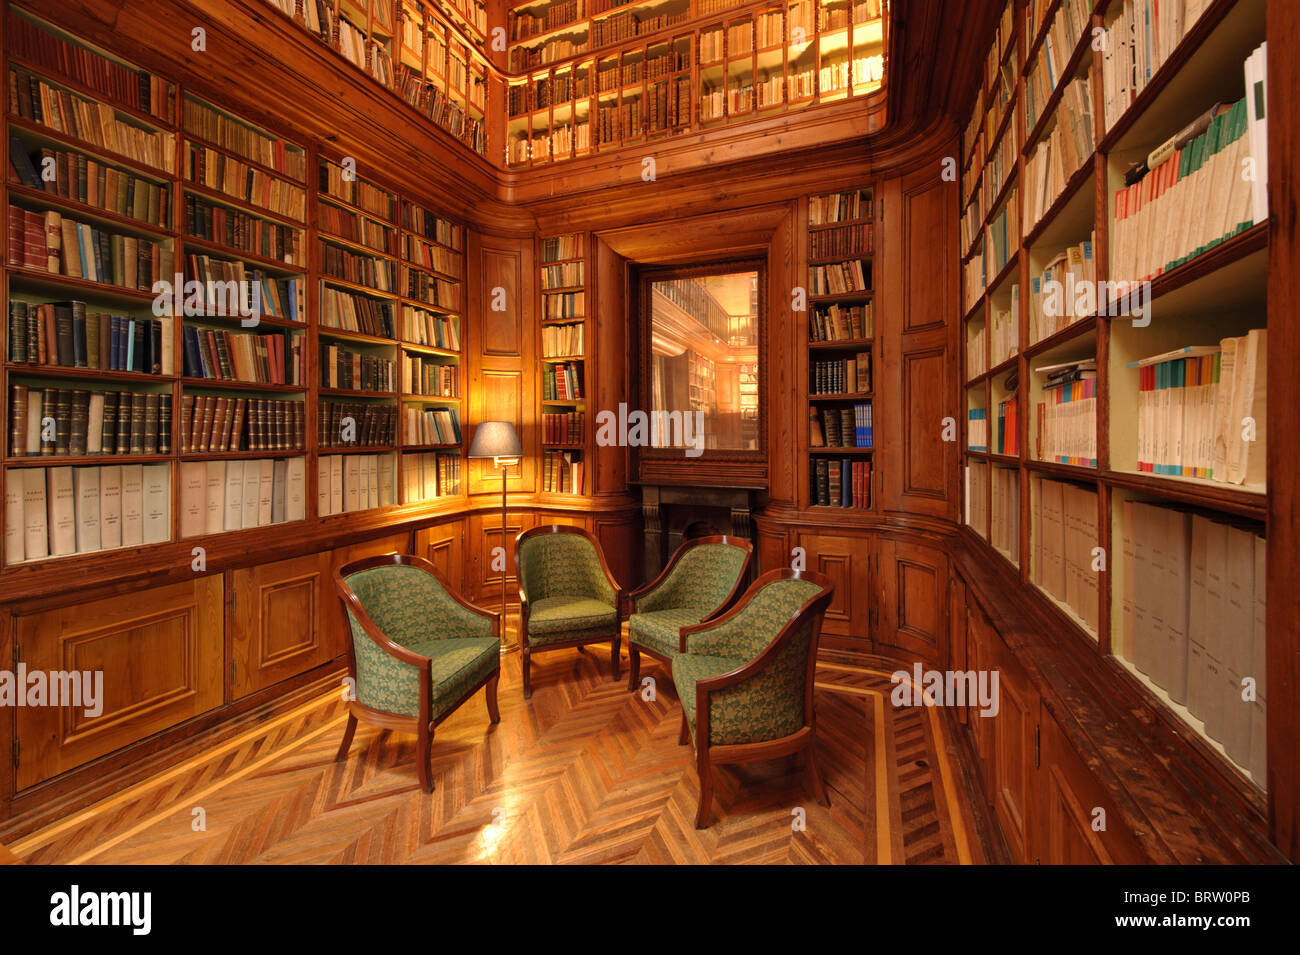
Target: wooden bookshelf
[[1204, 290], [565, 375]]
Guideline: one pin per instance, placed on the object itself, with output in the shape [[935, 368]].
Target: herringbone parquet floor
[[584, 772]]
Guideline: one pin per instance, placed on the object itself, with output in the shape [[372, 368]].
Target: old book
[[249, 501], [17, 420], [1196, 616], [194, 497], [214, 497], [1238, 644], [323, 497], [61, 499], [85, 483], [132, 505], [1216, 600], [1175, 594], [36, 538], [14, 529], [265, 491], [352, 484], [1258, 727], [234, 497], [279, 481], [95, 423], [110, 507], [157, 507], [337, 492]]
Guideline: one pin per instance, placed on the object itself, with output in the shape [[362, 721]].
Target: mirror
[[704, 331]]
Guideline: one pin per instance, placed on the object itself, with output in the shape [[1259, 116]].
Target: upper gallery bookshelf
[[721, 68], [840, 353], [564, 381], [432, 55], [1115, 254], [139, 418]]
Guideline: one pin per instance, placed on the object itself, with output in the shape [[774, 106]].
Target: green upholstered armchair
[[567, 596], [745, 679], [418, 651], [702, 580]]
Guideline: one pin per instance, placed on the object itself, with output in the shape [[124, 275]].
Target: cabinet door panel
[[846, 561], [1013, 764], [278, 621], [159, 653], [442, 546], [914, 600]]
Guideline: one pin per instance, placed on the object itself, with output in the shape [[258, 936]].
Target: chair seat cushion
[[456, 664], [659, 630], [561, 619]]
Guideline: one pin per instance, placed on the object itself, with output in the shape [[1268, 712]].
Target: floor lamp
[[497, 440]]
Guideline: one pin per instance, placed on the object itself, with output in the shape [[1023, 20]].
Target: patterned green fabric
[[766, 706], [659, 630], [561, 619], [409, 605], [757, 624], [412, 609], [704, 577], [562, 565]]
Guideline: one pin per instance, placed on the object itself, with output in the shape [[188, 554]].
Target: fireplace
[[672, 513]]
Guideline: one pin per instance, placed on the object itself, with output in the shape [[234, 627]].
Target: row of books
[[559, 247], [839, 482], [977, 362], [51, 242], [131, 87], [563, 275], [1002, 237], [218, 278], [1004, 517], [1066, 291], [1061, 152], [1004, 329], [430, 376], [243, 231], [222, 129], [841, 376], [562, 381], [840, 278], [564, 428], [66, 335], [355, 227], [564, 305], [274, 359], [211, 423], [1193, 620], [1203, 411], [429, 475], [1190, 202], [838, 323], [527, 23], [431, 226], [562, 341], [354, 371], [77, 176], [1141, 38], [340, 263], [1072, 18], [346, 185], [977, 492], [998, 167], [841, 242], [977, 429], [432, 256], [355, 424], [1006, 426], [420, 327], [61, 511], [1066, 417], [77, 117], [237, 179], [70, 422], [432, 290], [354, 312], [841, 427], [562, 472], [431, 425], [218, 496], [354, 482], [1064, 535]]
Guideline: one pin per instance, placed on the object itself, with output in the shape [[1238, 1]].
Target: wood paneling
[[161, 663], [278, 622], [913, 580], [483, 581], [608, 350], [846, 561], [443, 546]]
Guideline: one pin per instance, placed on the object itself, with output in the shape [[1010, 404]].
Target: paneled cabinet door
[[484, 537], [1015, 756], [443, 546], [159, 655], [847, 562], [913, 600], [275, 622]]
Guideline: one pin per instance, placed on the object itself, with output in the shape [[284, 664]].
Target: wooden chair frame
[[421, 724], [633, 651], [615, 636], [802, 740]]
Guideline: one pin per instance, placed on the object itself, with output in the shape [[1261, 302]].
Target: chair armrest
[[705, 626], [493, 618]]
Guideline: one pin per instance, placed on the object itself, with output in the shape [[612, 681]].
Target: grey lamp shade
[[495, 439]]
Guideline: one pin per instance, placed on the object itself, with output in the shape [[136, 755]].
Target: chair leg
[[684, 734], [528, 676], [633, 665], [613, 656], [814, 777], [347, 738], [706, 787], [494, 714], [423, 749]]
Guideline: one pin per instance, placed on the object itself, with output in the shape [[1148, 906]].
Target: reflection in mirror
[[704, 343]]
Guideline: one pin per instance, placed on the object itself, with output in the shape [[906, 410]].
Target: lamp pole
[[507, 645]]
